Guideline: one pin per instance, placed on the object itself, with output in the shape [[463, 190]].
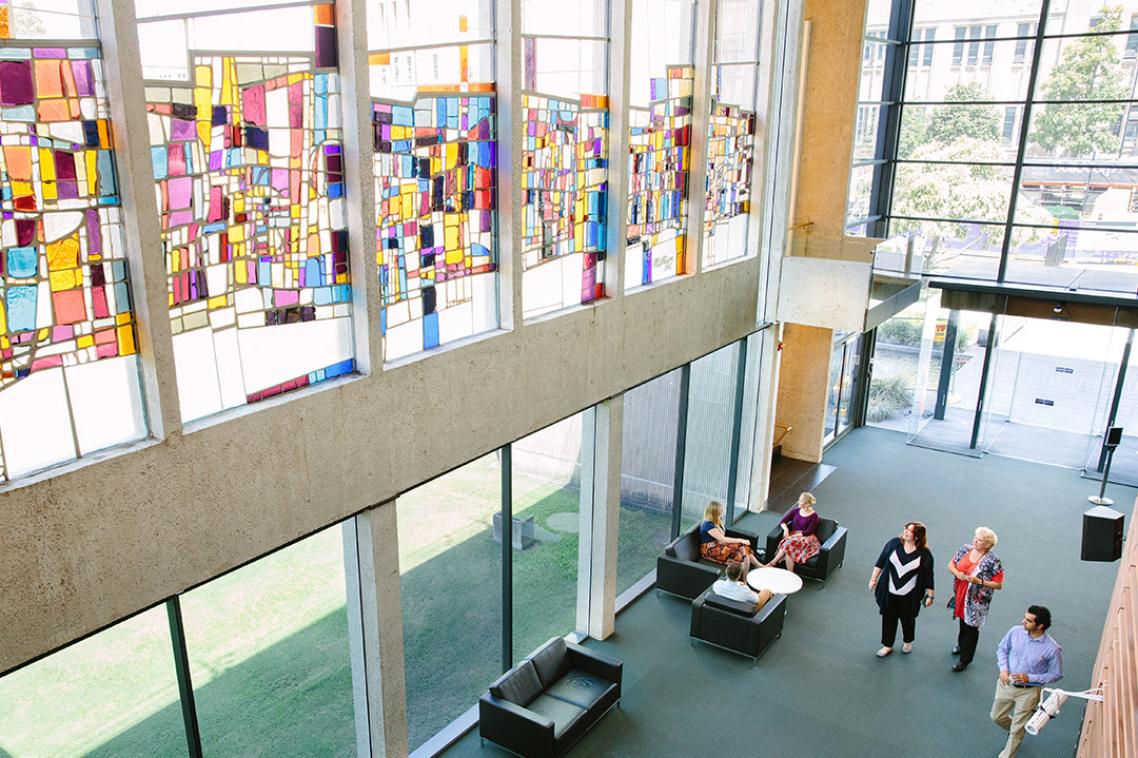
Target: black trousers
[[901, 609], [966, 640]]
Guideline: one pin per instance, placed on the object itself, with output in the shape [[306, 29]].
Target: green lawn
[[269, 648]]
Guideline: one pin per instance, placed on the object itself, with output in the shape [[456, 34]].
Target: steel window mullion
[[185, 681], [681, 450], [1021, 152], [736, 430], [507, 557], [889, 126]]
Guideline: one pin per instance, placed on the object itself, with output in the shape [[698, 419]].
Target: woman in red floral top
[[979, 574]]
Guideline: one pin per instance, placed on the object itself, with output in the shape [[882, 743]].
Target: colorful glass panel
[[68, 366], [247, 155], [436, 161], [564, 156], [659, 160], [731, 132]]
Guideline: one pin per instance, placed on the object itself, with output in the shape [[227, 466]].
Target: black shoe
[[958, 666], [956, 650]]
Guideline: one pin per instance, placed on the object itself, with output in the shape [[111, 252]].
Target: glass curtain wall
[[1015, 157], [450, 565], [112, 694], [894, 378], [268, 652], [647, 475], [548, 501], [1122, 410], [711, 412]]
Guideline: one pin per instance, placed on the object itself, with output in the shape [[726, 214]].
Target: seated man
[[734, 588]]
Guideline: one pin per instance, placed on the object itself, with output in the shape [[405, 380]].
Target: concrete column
[[767, 364], [705, 15], [141, 224], [508, 19], [359, 179], [603, 431], [375, 631], [620, 66]]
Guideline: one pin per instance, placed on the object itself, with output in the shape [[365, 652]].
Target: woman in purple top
[[798, 544]]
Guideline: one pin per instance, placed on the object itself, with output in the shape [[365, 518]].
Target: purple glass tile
[[16, 86]]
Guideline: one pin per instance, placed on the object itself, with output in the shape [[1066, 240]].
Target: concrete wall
[[833, 68], [802, 390], [100, 539]]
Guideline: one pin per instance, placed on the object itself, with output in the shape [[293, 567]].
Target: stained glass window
[[564, 153], [436, 155], [69, 380], [731, 133], [659, 160], [246, 152]]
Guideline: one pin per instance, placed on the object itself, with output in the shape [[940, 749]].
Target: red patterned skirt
[[799, 548], [721, 552]]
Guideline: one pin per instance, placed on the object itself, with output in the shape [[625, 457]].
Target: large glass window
[[269, 656], [246, 152], [450, 565], [731, 133], [659, 160], [565, 153], [69, 381], [547, 501], [112, 694], [711, 414], [434, 106], [1003, 183], [647, 475]]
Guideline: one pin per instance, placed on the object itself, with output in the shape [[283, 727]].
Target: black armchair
[[682, 571], [828, 560], [735, 626], [548, 701]]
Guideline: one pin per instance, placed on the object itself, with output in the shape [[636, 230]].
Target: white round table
[[779, 581]]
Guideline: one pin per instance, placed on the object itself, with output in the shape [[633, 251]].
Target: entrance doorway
[[845, 381]]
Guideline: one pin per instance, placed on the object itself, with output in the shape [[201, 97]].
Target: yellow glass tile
[[63, 253], [48, 191], [64, 280], [122, 318], [85, 341], [126, 340], [241, 274], [454, 256], [3, 323], [451, 240], [217, 302]]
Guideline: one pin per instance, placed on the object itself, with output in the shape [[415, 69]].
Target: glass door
[[1051, 385], [1122, 411], [845, 359], [953, 363]]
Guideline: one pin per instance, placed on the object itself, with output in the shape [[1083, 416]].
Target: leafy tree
[[1089, 69], [962, 188], [26, 25], [955, 121]]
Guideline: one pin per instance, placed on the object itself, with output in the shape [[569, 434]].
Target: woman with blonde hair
[[715, 545], [798, 543], [978, 574]]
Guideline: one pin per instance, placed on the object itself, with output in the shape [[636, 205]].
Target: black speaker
[[1102, 534]]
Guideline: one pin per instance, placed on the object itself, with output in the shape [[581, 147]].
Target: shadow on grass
[[295, 697]]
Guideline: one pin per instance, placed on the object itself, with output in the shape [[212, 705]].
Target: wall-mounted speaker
[[1102, 534], [1114, 436]]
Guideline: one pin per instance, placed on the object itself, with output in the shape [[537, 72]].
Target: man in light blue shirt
[[1028, 658]]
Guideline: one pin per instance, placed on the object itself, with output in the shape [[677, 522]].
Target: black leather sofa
[[548, 701], [735, 626], [682, 571], [828, 560]]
